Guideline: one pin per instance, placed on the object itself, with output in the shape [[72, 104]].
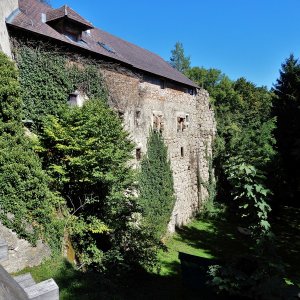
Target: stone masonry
[[187, 124], [21, 253]]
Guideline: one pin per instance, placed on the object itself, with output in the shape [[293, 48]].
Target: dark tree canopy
[[287, 112]]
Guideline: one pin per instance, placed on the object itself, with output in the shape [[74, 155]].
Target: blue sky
[[249, 38]]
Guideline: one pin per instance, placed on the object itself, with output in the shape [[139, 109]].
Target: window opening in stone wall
[[121, 115], [187, 120], [180, 124], [158, 124], [191, 91], [137, 117], [138, 153], [181, 152]]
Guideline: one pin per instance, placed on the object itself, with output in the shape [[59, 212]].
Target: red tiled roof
[[30, 19]]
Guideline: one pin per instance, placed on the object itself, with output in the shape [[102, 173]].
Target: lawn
[[216, 238]]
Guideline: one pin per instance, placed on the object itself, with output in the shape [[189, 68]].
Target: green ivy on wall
[[27, 205], [48, 75]]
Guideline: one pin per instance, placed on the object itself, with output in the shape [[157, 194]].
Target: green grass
[[217, 238]]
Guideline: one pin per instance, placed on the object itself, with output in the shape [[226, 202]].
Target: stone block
[[25, 280], [45, 290], [9, 288]]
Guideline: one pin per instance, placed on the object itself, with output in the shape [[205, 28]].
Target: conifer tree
[[156, 185], [178, 60], [287, 112]]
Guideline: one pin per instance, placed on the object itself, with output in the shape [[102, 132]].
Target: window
[[181, 152], [158, 123], [121, 115], [137, 117], [106, 47], [187, 121], [180, 124], [138, 154], [162, 84], [183, 120]]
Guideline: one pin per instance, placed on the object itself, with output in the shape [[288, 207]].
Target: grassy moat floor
[[216, 238]]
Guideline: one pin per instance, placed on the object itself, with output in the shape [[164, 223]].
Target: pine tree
[[178, 60], [287, 112], [156, 185]]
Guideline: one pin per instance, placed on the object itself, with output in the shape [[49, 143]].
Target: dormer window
[[67, 22]]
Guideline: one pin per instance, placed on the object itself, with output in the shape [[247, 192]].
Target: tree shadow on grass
[[77, 285], [222, 241]]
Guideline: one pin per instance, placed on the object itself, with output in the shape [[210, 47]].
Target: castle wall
[[141, 105], [6, 8]]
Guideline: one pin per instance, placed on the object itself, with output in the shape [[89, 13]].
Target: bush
[[86, 152]]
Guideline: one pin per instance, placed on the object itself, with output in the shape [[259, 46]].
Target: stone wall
[[20, 253], [142, 104], [6, 8]]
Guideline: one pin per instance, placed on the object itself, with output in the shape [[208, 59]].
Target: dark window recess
[[138, 153], [180, 124], [181, 152], [137, 117], [191, 91], [106, 47], [121, 114]]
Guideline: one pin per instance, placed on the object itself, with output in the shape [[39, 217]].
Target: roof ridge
[[125, 52]]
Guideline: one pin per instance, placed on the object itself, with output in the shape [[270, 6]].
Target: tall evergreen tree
[[287, 111], [178, 60], [156, 185]]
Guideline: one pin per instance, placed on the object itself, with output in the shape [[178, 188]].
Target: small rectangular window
[[138, 154], [162, 84], [181, 152], [137, 117], [158, 124], [121, 115], [180, 124]]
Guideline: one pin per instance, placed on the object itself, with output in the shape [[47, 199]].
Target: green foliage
[[244, 124], [86, 152], [287, 112], [244, 149], [48, 75], [178, 60], [251, 195], [11, 103], [156, 185], [27, 204]]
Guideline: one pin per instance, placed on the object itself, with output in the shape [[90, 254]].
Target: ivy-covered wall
[[49, 74], [28, 205]]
